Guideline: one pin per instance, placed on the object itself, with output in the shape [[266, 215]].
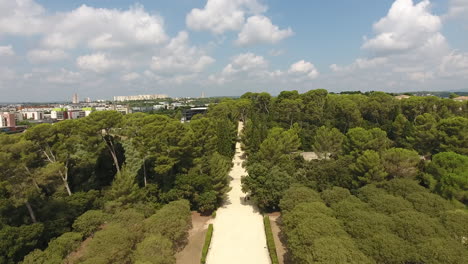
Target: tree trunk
[[31, 212], [111, 149], [144, 171]]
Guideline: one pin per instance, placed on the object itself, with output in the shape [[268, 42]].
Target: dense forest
[[129, 182], [390, 184]]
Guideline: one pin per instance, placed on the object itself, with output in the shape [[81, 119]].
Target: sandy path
[[239, 236], [193, 249]]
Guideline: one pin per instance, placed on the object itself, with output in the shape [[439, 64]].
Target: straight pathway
[[239, 235]]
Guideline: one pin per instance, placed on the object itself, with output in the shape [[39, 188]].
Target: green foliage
[[278, 146], [90, 222], [171, 221], [400, 163], [328, 142], [155, 249], [113, 244], [334, 195], [56, 251], [450, 174], [206, 245], [368, 168], [424, 135], [298, 194], [16, 242], [455, 222], [453, 134], [359, 140], [265, 185], [270, 240]]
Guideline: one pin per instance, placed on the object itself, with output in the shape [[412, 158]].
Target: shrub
[[206, 246], [89, 222], [154, 249], [270, 240]]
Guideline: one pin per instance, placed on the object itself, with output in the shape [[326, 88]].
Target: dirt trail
[[193, 249], [239, 236]]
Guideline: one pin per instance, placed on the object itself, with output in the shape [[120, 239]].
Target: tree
[[154, 249], [334, 195], [450, 174], [104, 123], [298, 194], [400, 163], [124, 189], [278, 146], [453, 134], [401, 129], [424, 136], [359, 139], [265, 185], [368, 168], [18, 241], [328, 142], [90, 222]]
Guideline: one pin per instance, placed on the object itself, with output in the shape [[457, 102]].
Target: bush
[[154, 249], [297, 194], [206, 246], [57, 250], [172, 221], [89, 222], [270, 240]]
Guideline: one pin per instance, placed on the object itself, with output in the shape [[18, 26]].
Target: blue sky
[[50, 49]]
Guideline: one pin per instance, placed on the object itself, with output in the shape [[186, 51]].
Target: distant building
[[139, 97], [187, 114], [75, 99], [403, 96], [32, 115], [59, 113], [7, 120], [461, 98]]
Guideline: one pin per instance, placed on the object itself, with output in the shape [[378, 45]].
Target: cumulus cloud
[[219, 16], [407, 26], [64, 77], [7, 51], [130, 76], [457, 8], [98, 62], [101, 28], [304, 68], [454, 64], [45, 55], [246, 62], [21, 17], [179, 56], [259, 29]]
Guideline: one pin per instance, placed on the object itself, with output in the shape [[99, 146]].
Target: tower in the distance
[[75, 99], [202, 95]]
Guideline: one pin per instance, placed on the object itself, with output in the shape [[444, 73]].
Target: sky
[[51, 49]]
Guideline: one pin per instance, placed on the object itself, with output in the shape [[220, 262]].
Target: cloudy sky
[[50, 49]]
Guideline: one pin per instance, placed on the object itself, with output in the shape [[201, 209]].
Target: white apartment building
[[139, 97]]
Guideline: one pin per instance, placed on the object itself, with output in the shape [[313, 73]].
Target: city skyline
[[227, 48]]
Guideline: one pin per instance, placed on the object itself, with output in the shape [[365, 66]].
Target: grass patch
[[270, 240], [206, 246]]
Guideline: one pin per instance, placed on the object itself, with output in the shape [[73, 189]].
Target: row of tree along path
[[239, 235]]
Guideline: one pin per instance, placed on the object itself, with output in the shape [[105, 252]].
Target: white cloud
[[407, 26], [220, 16], [304, 68], [100, 28], [21, 17], [64, 77], [130, 76], [359, 64], [454, 65], [457, 8], [259, 29], [98, 62], [179, 56], [246, 62], [7, 51], [44, 55]]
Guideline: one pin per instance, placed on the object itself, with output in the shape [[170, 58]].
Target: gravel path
[[239, 236]]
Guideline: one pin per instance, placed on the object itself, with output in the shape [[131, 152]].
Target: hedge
[[206, 246], [270, 240]]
